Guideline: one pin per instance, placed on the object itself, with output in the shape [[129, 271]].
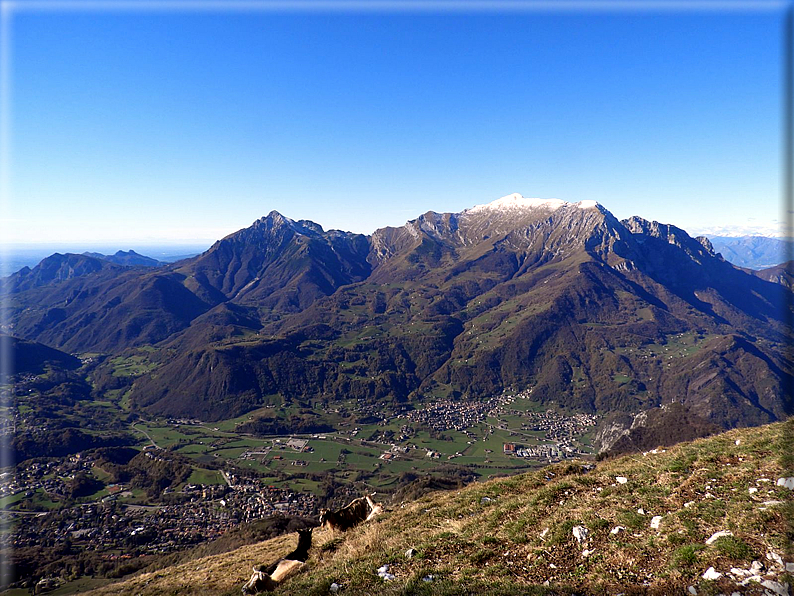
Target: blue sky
[[157, 126]]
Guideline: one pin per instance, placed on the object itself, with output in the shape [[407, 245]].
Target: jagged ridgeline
[[596, 314]]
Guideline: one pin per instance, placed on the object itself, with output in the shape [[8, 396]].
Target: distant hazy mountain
[[587, 312], [18, 256], [56, 268], [129, 258], [753, 252]]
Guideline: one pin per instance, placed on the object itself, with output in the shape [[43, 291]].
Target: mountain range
[[753, 252], [128, 258], [559, 299]]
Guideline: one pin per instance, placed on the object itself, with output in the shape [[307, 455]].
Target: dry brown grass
[[218, 574]]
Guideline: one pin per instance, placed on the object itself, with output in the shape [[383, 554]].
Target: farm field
[[351, 454]]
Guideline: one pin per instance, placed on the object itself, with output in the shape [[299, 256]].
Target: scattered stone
[[544, 532], [688, 504], [786, 482], [616, 529], [586, 553], [736, 594], [712, 574], [756, 578], [789, 567], [410, 553], [763, 480], [656, 522], [621, 479], [752, 490], [740, 572], [580, 533], [552, 566], [709, 496], [717, 535], [486, 500], [775, 558], [776, 587], [334, 587], [692, 590], [738, 442], [772, 503], [384, 574], [757, 567], [428, 578], [641, 511]]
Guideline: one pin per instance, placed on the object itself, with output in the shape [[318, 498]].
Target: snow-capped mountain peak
[[516, 202]]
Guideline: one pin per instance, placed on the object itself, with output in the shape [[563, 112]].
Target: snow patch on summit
[[587, 204], [515, 202]]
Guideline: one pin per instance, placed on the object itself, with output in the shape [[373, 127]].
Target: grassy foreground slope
[[512, 535]]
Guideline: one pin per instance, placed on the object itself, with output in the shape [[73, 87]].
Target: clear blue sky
[[188, 125]]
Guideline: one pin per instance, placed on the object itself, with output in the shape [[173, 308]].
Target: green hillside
[[516, 535]]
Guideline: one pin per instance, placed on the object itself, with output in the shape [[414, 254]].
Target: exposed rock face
[[780, 274], [278, 262], [653, 428]]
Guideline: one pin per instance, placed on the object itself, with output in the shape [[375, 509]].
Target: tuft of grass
[[733, 547], [676, 539], [686, 557], [712, 511], [631, 519], [482, 555], [562, 533], [681, 464], [331, 545], [597, 524]]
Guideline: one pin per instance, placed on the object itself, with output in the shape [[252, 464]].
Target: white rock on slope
[[786, 482], [580, 533], [717, 535], [711, 574]]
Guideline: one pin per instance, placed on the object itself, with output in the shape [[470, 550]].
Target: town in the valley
[[257, 478]]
